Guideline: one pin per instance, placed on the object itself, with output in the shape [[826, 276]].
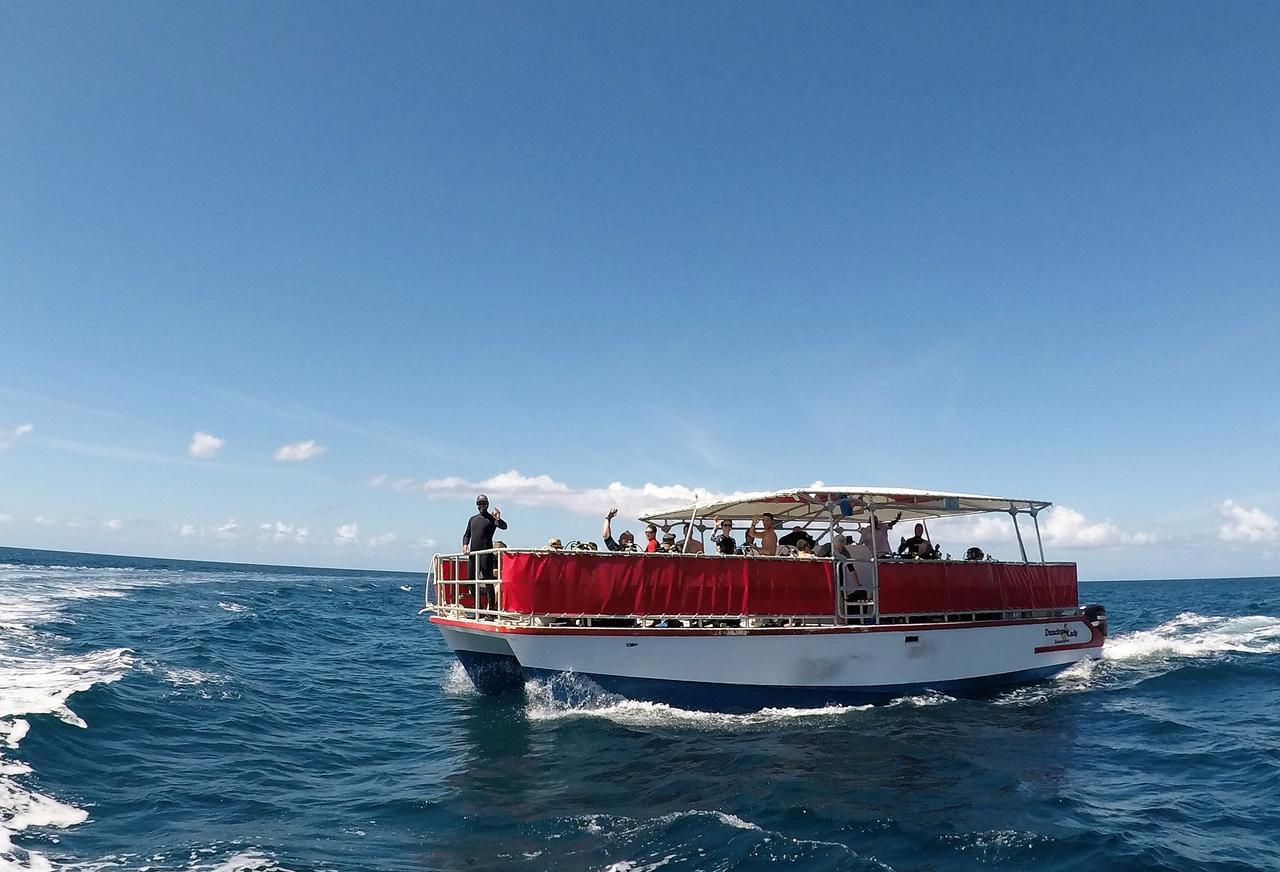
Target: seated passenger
[[651, 539], [917, 545], [690, 543], [669, 545], [766, 535], [625, 542], [722, 536], [974, 553], [839, 544], [554, 544], [794, 537], [804, 548], [860, 550]]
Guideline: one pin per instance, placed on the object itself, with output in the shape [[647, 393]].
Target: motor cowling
[[1096, 615]]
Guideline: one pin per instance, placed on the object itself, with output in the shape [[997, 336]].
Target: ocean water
[[162, 715]]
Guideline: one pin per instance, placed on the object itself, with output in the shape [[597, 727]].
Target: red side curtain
[[601, 584], [922, 586]]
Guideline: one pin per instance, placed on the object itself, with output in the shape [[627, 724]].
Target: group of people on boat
[[760, 538]]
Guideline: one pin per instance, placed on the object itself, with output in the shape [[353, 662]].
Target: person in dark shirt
[[479, 537], [793, 538], [723, 538], [917, 545], [625, 542]]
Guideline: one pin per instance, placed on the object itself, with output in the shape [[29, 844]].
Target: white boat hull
[[751, 669]]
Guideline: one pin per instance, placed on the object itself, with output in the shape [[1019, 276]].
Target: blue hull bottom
[[492, 673]]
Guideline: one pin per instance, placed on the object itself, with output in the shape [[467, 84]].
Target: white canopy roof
[[810, 505]]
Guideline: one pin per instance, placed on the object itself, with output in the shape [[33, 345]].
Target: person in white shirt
[[880, 536]]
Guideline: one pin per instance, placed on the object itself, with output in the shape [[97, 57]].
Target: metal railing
[[459, 593], [454, 592]]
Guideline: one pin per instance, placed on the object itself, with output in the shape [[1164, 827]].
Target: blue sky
[[1003, 248]]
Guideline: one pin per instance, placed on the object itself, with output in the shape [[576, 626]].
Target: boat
[[745, 631]]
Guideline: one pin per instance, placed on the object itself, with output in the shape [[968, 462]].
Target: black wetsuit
[[479, 536], [612, 544], [916, 546], [793, 538], [726, 544]]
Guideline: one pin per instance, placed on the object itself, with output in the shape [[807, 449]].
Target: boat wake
[[1192, 636], [35, 680], [1185, 640], [569, 696]]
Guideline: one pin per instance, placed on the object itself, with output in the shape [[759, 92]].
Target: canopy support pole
[[1039, 542], [1021, 547], [835, 571], [875, 562], [693, 516]]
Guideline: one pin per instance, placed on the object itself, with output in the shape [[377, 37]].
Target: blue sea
[[168, 715]]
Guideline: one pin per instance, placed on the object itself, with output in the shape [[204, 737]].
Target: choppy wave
[[202, 859], [35, 680], [728, 841], [338, 698]]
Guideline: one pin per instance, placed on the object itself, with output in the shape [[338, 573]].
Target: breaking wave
[[35, 681], [1190, 635], [1184, 640]]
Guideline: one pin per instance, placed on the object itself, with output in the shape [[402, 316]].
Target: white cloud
[[4, 519], [228, 530], [113, 524], [304, 450], [542, 490], [204, 445], [279, 531], [377, 480], [347, 534], [1060, 527], [42, 520], [380, 541], [1247, 525], [8, 437]]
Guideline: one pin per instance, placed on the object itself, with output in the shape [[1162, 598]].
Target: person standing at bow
[[479, 537]]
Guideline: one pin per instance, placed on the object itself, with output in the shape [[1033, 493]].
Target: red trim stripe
[[490, 627]]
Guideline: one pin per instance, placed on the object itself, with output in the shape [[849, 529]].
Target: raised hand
[[613, 513]]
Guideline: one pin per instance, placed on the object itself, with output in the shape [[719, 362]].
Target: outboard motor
[[1096, 615]]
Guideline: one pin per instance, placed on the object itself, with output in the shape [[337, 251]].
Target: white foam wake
[[1192, 635], [37, 680], [572, 696], [1187, 638]]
